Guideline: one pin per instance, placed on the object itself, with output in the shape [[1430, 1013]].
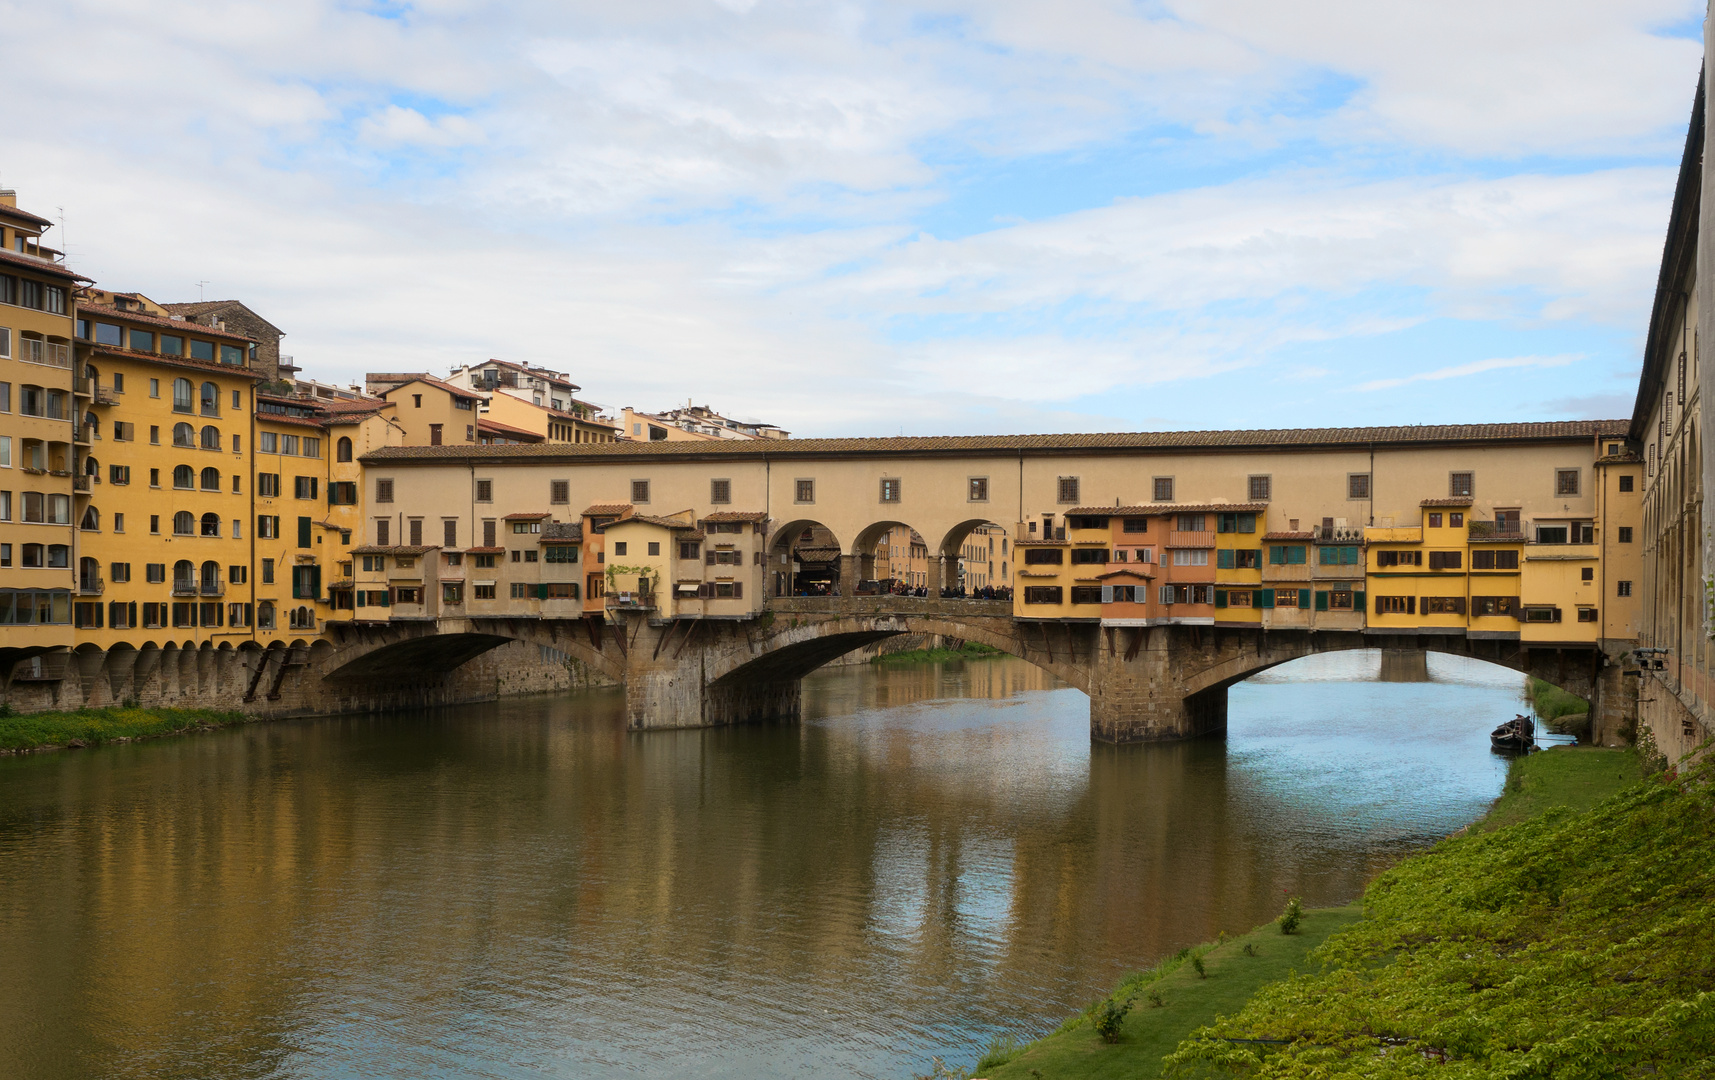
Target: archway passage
[[804, 560]]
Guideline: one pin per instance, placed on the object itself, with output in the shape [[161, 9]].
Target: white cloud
[[396, 126], [1476, 367]]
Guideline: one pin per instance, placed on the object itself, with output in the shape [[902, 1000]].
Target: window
[[289, 444], [268, 485], [977, 489], [269, 443], [184, 476], [1247, 558], [559, 491], [312, 447], [1551, 534], [484, 491], [1044, 556], [1566, 482], [1235, 523], [1042, 594], [450, 532], [1446, 560], [1626, 482], [1089, 556], [384, 490], [210, 525], [1395, 605], [890, 489], [1286, 554], [1399, 558], [211, 479], [1587, 573], [383, 532], [1625, 536], [184, 523], [1190, 557], [202, 350], [1086, 594], [619, 548], [342, 449], [1260, 488], [1444, 605], [304, 487], [119, 474], [640, 491], [1066, 489], [210, 437], [688, 549], [1346, 555], [483, 592], [183, 435], [1434, 521], [1540, 614], [267, 528], [1163, 489], [720, 492], [183, 398], [1459, 485], [209, 396], [434, 434], [1622, 588], [804, 491]]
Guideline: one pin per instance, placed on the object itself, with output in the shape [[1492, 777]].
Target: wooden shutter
[[1321, 600], [488, 533], [1303, 598], [1220, 598], [1459, 605], [1224, 559], [738, 590], [1107, 594], [1265, 598], [1411, 605], [416, 532], [303, 532]]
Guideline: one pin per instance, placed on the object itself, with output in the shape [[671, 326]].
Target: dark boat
[[1516, 736]]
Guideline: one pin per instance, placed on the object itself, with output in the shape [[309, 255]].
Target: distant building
[[693, 422], [235, 316], [983, 558], [552, 409]]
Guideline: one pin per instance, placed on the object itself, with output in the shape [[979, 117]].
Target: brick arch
[[408, 653], [793, 649]]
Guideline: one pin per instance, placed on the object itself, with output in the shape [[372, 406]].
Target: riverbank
[[1584, 883], [24, 733], [970, 650]]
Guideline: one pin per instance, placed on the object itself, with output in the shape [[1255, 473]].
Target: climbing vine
[[650, 572]]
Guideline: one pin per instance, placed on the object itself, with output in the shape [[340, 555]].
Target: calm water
[[526, 890]]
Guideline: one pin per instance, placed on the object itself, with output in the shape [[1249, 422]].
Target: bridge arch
[[804, 558], [407, 653]]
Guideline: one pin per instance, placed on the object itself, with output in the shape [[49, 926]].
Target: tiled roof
[[300, 421], [194, 308], [372, 549], [41, 266], [1169, 508], [180, 326], [1299, 535], [1144, 574], [668, 523], [817, 554], [485, 551], [947, 445], [603, 509], [170, 361], [1457, 500], [456, 391], [736, 515], [14, 212], [562, 531], [528, 517], [496, 427], [553, 377]]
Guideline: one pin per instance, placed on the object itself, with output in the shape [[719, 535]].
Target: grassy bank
[[1551, 702], [92, 727], [1583, 884], [970, 650]]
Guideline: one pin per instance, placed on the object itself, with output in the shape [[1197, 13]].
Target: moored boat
[[1517, 735]]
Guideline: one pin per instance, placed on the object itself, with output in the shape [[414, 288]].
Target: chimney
[[8, 197]]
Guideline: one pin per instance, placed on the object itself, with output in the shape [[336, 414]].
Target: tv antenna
[[200, 284]]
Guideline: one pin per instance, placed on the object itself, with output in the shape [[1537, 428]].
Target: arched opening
[[983, 553], [184, 523], [211, 479], [211, 524], [211, 578], [804, 560], [265, 615], [892, 558], [184, 477], [184, 435], [91, 519], [210, 437], [184, 576], [210, 399], [88, 575], [182, 395], [342, 449]]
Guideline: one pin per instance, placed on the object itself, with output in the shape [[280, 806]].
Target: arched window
[[89, 574], [90, 373], [211, 524], [184, 575], [92, 467], [91, 519], [182, 395], [211, 578], [184, 476], [343, 450], [210, 437], [210, 399], [93, 423], [211, 479], [184, 524], [184, 435], [265, 615]]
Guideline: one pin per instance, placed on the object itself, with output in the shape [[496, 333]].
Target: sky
[[879, 218]]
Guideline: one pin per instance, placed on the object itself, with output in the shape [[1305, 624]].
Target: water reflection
[[525, 889]]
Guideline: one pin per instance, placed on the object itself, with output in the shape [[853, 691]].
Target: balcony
[[106, 396], [184, 588], [211, 588], [1510, 531], [83, 483], [91, 586], [633, 601], [83, 434], [1179, 539], [84, 387], [51, 353]]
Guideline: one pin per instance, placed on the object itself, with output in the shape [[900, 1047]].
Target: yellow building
[[165, 529], [430, 412], [984, 559], [39, 446]]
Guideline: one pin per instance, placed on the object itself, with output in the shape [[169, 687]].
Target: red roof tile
[[527, 517], [604, 509], [180, 326], [736, 515], [41, 266], [25, 215]]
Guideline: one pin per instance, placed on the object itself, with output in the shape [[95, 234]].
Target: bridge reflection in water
[[932, 853]]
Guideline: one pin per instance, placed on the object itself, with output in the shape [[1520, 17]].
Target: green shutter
[[542, 591], [1328, 556], [1276, 555], [1220, 598], [1265, 598], [1303, 598], [1223, 523], [1247, 523], [1349, 556], [1358, 600], [1295, 555], [1321, 600], [303, 532], [1224, 559], [362, 598], [316, 582]]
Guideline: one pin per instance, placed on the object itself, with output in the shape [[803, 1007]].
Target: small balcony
[[82, 482], [84, 387], [88, 585], [184, 588], [1179, 539], [83, 434], [212, 588], [105, 396]]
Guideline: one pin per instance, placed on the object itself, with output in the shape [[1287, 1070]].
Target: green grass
[[92, 727], [970, 650], [1150, 1032], [1574, 777], [1551, 702], [1564, 779]]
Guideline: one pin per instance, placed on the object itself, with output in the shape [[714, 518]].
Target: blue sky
[[854, 218]]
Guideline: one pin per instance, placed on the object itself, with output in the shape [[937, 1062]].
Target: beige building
[[693, 423], [984, 559]]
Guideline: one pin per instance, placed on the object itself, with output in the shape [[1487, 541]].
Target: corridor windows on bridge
[[1086, 594], [890, 489], [1461, 485], [639, 492], [1162, 489], [559, 492], [1566, 482], [1260, 488], [1066, 489], [1043, 594], [1036, 556], [803, 491], [720, 492], [1444, 605], [977, 489], [1396, 605], [484, 491]]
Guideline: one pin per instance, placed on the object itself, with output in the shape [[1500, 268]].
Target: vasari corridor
[[1223, 590]]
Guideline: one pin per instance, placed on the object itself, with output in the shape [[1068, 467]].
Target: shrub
[[1292, 916], [1250, 950], [1197, 966], [1002, 1049], [1155, 1000], [1108, 1018]]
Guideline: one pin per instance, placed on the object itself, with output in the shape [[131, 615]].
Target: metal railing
[[87, 586], [212, 588]]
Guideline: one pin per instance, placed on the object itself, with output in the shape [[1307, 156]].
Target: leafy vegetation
[[970, 650], [92, 727], [1292, 916], [1551, 702], [1572, 946]]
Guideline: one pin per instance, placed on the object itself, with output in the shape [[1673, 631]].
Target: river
[[525, 889]]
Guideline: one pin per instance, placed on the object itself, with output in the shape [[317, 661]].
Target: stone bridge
[[1144, 683]]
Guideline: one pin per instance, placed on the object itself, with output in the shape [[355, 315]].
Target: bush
[[1292, 916], [1108, 1017], [1002, 1049], [1197, 966]]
